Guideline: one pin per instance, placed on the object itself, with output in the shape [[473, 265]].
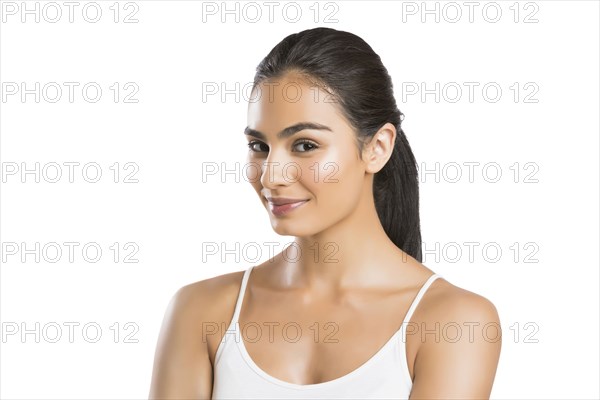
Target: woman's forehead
[[291, 99]]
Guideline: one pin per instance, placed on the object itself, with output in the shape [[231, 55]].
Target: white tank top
[[384, 375]]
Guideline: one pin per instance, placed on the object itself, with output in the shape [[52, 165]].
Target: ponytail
[[396, 194]]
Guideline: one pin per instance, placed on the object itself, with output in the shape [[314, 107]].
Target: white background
[[548, 309]]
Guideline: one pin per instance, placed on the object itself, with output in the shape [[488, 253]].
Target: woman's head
[[356, 152]]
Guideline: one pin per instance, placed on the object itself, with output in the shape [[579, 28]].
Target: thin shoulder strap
[[233, 325], [238, 304], [417, 299]]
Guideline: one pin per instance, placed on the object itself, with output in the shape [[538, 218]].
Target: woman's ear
[[379, 150]]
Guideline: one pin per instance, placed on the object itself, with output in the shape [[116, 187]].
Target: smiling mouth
[[284, 209], [279, 201]]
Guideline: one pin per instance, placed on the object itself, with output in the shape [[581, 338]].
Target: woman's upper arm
[[462, 362], [182, 367]]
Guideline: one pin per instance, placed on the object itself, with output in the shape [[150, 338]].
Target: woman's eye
[[305, 143], [302, 145], [251, 145]]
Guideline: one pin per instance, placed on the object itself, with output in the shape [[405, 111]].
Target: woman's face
[[319, 164]]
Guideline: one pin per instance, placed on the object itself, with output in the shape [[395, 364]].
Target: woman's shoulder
[[190, 309], [457, 334], [443, 299], [209, 297], [446, 303]]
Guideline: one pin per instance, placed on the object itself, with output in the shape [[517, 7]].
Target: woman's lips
[[284, 209]]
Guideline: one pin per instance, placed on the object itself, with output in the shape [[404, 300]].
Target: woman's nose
[[279, 171]]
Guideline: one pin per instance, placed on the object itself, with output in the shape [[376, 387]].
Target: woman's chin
[[290, 228]]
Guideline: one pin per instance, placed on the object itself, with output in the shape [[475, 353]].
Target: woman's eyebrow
[[289, 131]]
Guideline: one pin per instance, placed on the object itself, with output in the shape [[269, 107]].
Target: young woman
[[351, 312]]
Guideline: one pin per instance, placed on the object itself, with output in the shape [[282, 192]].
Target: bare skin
[[365, 292]]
